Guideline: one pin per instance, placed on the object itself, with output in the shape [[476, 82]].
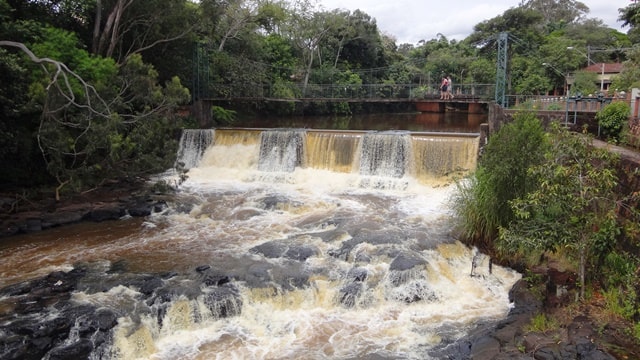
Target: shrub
[[482, 202], [612, 119]]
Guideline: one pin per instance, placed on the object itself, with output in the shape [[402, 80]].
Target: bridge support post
[[202, 111], [476, 108], [430, 106]]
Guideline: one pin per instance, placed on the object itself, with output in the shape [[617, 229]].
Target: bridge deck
[[459, 99]]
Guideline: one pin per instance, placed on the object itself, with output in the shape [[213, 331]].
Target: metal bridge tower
[[501, 74], [201, 72]]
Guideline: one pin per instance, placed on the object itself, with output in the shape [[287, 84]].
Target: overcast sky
[[410, 21]]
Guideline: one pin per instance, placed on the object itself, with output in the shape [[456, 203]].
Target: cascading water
[[281, 150], [318, 267], [385, 154], [193, 143]]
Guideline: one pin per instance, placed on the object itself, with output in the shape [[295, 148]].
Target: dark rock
[[259, 274], [284, 249], [203, 268], [118, 266], [349, 294], [357, 274], [33, 225], [104, 213], [9, 229], [216, 280], [405, 262], [149, 284], [271, 249], [546, 353], [224, 301], [380, 237], [80, 350], [140, 210], [62, 218], [160, 206], [485, 348], [301, 252], [524, 301], [22, 348]]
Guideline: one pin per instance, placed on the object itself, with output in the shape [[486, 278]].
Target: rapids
[[338, 245]]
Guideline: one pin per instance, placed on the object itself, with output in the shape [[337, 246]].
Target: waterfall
[[193, 143], [332, 150], [385, 154], [281, 150], [379, 159], [443, 156]]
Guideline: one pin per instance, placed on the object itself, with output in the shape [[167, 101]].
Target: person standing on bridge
[[444, 88], [449, 88]]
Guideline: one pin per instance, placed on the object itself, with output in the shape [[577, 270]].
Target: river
[[338, 245]]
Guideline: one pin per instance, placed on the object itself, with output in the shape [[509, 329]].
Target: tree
[[557, 12], [90, 132], [629, 76], [630, 16], [125, 27], [572, 205], [584, 82], [612, 120], [307, 29]]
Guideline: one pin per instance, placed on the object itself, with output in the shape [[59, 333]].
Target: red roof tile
[[609, 68]]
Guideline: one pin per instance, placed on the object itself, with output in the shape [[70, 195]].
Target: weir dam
[[377, 158]]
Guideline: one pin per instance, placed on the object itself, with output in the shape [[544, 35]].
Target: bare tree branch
[[62, 71]]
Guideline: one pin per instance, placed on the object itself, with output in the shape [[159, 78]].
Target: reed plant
[[482, 202]]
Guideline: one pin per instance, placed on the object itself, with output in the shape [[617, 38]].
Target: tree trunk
[[582, 271], [307, 73], [96, 28]]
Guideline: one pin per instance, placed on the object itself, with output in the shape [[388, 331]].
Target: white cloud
[[410, 21]]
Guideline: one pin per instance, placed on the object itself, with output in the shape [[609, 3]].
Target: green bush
[[222, 116], [482, 202], [612, 119]]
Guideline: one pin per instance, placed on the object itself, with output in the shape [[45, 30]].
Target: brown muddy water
[[373, 203]]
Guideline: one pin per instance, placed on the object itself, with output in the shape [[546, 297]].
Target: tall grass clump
[[482, 200]]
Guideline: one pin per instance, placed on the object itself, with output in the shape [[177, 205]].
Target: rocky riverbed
[[73, 332]]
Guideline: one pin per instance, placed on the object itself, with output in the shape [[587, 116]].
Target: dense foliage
[[502, 175], [93, 93], [612, 120], [558, 197]]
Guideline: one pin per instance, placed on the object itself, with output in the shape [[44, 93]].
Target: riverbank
[[23, 215]]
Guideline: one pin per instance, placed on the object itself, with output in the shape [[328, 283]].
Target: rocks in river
[[404, 262], [34, 221], [508, 340], [350, 292], [286, 249], [41, 319]]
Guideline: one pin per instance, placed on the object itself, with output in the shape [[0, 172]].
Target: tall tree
[[307, 28], [556, 12], [125, 27], [630, 16]]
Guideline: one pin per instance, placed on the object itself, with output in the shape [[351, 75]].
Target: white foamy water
[[395, 312], [381, 275]]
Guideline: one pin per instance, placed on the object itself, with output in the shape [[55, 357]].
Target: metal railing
[[558, 103], [295, 91]]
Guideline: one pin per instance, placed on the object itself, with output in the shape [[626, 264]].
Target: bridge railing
[[347, 92], [558, 103]]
